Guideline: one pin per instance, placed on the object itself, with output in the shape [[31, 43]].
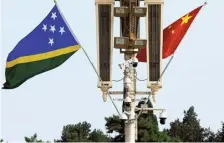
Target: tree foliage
[[76, 133], [115, 125], [209, 136], [98, 136], [190, 130], [32, 139], [220, 134], [176, 129], [81, 132]]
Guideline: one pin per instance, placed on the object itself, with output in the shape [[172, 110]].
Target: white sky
[[69, 94]]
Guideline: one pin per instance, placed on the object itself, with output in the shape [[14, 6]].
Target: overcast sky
[[69, 94]]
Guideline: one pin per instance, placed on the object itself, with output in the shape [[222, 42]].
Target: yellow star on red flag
[[185, 19]]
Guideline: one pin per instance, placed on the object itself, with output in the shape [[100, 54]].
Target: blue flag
[[49, 45]]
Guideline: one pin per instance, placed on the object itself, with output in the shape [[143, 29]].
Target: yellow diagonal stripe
[[42, 56]]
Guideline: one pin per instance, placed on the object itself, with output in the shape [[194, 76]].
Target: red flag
[[173, 34]]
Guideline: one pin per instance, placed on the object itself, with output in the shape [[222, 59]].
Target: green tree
[[209, 136], [189, 130], [176, 129], [98, 136], [76, 133], [1, 140], [81, 132], [148, 129], [115, 125], [32, 139], [220, 134], [164, 137]]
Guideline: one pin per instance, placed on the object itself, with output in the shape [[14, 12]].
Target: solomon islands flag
[[49, 45]]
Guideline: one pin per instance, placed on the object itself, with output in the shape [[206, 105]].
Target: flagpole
[[164, 70]]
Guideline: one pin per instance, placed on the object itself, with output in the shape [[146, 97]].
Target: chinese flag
[[173, 34]]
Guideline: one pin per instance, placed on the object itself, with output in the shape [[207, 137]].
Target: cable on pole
[[139, 79], [118, 80], [161, 73]]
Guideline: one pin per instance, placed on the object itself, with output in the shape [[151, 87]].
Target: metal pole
[[129, 24], [130, 124]]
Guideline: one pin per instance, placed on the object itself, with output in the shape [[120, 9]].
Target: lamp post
[[129, 43]]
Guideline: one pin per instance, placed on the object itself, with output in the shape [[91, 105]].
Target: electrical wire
[[118, 80], [140, 79], [164, 70]]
